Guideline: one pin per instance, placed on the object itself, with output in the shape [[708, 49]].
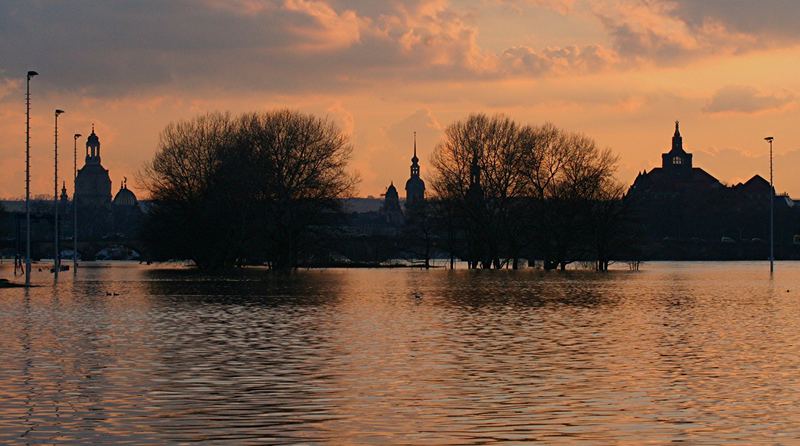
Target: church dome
[[391, 192], [125, 197], [92, 139]]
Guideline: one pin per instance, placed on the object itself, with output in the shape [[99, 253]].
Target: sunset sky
[[620, 71]]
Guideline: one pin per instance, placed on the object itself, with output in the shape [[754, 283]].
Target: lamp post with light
[[31, 74], [57, 258], [75, 204], [769, 139]]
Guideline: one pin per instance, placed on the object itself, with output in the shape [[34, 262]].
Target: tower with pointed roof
[[415, 187], [93, 191], [677, 161]]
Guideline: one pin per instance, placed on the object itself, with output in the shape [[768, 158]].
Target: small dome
[[93, 140], [125, 197]]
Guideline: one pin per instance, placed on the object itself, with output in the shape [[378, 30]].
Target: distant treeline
[[267, 188]]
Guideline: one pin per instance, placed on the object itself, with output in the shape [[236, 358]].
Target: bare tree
[[227, 190], [566, 175], [540, 189], [301, 160], [483, 152], [184, 180]]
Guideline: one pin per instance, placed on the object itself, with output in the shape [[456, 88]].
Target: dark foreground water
[[690, 353]]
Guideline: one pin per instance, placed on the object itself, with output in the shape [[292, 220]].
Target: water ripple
[[690, 353]]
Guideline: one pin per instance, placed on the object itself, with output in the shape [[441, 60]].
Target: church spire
[[677, 160], [64, 196], [415, 187], [415, 160], [677, 139]]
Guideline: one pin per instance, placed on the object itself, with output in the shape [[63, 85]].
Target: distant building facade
[[98, 215], [92, 195], [681, 202], [104, 223]]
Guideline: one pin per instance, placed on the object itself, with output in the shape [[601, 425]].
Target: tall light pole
[[75, 204], [31, 74], [771, 210], [57, 258]]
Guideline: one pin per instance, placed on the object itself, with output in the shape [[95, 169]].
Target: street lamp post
[[31, 74], [75, 204], [769, 139], [57, 258]]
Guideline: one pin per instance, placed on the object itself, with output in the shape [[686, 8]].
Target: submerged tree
[[194, 213], [567, 176], [230, 189], [526, 190], [300, 162], [477, 172]]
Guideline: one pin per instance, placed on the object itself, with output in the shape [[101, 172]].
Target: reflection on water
[[687, 352]]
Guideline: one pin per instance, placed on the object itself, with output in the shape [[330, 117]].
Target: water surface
[[678, 352]]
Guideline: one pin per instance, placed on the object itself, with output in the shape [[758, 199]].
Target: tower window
[[676, 161]]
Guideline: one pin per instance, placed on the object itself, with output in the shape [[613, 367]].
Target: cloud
[[342, 117], [116, 48], [560, 6], [746, 99], [329, 29], [7, 86], [769, 21], [570, 59], [654, 31]]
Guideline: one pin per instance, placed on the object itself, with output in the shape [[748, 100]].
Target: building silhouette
[[92, 194], [93, 184], [682, 211], [126, 214], [390, 210], [98, 215], [415, 187]]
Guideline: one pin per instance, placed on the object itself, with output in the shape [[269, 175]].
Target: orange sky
[[620, 71]]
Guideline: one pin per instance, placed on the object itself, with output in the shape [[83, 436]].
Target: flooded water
[[678, 352]]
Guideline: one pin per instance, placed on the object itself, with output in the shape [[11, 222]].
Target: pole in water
[[57, 254], [31, 74], [769, 139], [75, 204]]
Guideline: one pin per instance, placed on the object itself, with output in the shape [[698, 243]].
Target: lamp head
[[769, 139], [77, 135], [31, 74], [59, 111]]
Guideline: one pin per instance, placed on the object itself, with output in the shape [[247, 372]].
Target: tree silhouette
[[231, 190]]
